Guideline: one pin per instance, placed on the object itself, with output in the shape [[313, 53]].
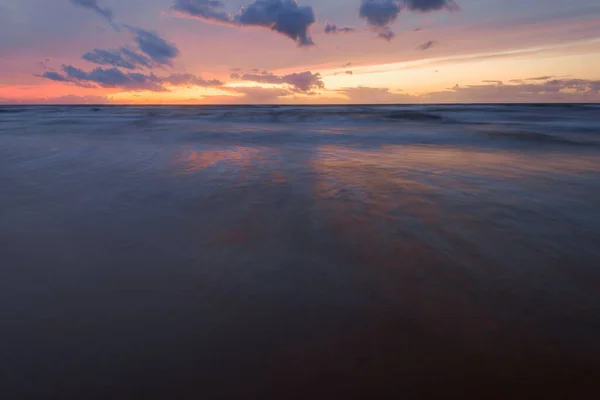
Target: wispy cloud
[[93, 5], [333, 28], [67, 99], [426, 46]]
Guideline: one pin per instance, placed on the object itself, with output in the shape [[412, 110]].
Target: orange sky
[[475, 55]]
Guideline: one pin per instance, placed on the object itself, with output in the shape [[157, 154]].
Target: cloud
[[104, 12], [303, 82], [366, 95], [135, 58], [44, 63], [115, 78], [493, 91], [189, 80], [554, 90], [156, 51], [283, 16], [54, 76], [426, 45], [210, 10], [380, 14], [333, 28], [498, 83], [122, 58], [155, 47], [539, 78], [260, 95], [249, 95], [65, 100], [345, 73], [430, 5], [386, 34]]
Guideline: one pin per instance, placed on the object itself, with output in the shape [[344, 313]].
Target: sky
[[298, 52]]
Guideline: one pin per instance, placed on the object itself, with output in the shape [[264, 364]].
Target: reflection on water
[[198, 268], [239, 156]]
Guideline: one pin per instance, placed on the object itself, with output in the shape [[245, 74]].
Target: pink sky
[[198, 52]]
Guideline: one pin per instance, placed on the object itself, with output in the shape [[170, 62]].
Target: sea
[[300, 252]]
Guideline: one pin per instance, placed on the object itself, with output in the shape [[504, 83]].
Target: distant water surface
[[299, 252]]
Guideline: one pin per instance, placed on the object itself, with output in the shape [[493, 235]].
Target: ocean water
[[299, 252]]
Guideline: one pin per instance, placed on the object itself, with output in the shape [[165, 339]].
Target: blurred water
[[297, 252]]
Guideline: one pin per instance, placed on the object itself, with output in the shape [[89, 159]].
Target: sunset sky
[[298, 52]]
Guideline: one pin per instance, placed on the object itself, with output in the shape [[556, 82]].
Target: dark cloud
[[380, 14], [282, 16], [122, 58], [333, 28], [53, 76], [155, 47], [430, 5], [386, 34], [348, 64], [108, 57], [156, 51], [498, 83], [303, 82], [349, 73], [104, 12], [426, 45], [115, 78], [135, 58], [210, 10]]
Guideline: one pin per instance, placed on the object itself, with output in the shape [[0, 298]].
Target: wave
[[475, 125], [534, 138]]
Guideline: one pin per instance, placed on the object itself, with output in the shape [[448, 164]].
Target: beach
[[299, 252]]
